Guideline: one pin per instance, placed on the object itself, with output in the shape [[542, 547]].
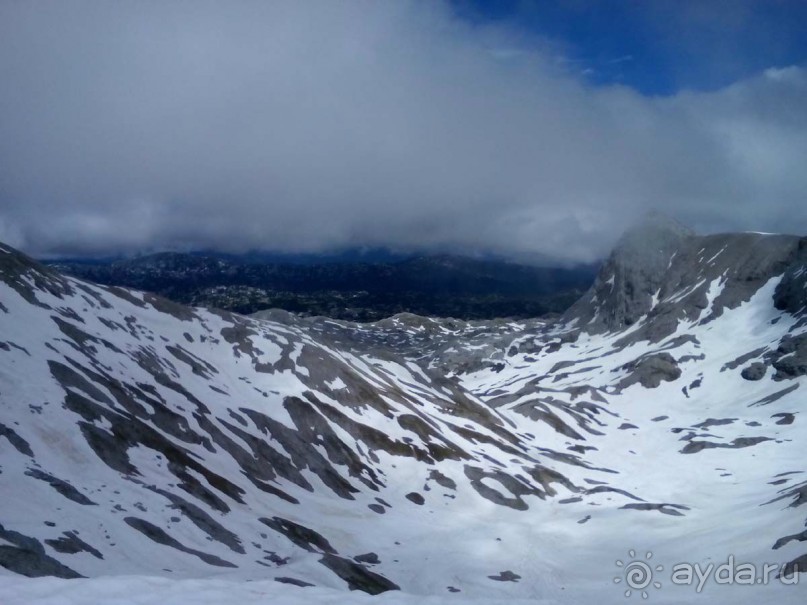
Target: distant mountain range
[[348, 286]]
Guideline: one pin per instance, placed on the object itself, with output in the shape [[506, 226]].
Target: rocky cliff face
[[791, 293], [509, 459], [632, 275], [661, 271]]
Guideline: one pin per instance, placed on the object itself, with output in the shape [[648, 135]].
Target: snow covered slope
[[483, 460]]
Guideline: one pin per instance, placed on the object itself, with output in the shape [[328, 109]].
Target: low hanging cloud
[[305, 126]]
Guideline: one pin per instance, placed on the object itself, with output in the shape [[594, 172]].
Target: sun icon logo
[[638, 574]]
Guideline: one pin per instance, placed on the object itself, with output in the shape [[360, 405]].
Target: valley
[[413, 458]]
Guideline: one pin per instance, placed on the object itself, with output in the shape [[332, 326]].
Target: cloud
[[307, 126]]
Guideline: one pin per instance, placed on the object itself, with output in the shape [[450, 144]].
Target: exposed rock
[[70, 543], [693, 447], [357, 576], [791, 292], [20, 444], [667, 509], [799, 537], [790, 358], [63, 487], [784, 418], [160, 536], [660, 271], [370, 558], [776, 396], [302, 536], [709, 422], [736, 363], [506, 576], [797, 565], [756, 371], [293, 582], [442, 480], [623, 291], [416, 498], [650, 371], [26, 556]]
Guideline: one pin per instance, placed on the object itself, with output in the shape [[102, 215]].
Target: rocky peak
[[624, 289], [663, 272]]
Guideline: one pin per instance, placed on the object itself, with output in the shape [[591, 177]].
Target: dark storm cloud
[[309, 125]]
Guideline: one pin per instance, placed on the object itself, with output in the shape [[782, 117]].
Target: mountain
[[184, 451], [358, 288]]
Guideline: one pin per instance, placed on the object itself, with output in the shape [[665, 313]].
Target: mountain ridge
[[657, 260], [519, 458]]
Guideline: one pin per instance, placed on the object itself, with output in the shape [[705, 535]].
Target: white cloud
[[303, 126]]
